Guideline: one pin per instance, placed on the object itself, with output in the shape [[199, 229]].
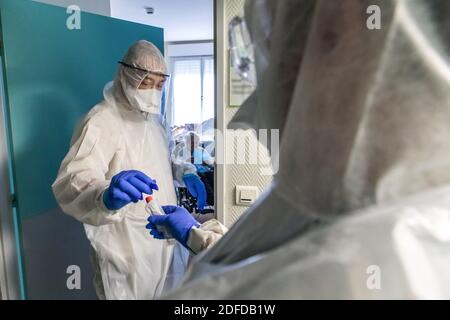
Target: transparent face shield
[[147, 90], [141, 72], [241, 50]]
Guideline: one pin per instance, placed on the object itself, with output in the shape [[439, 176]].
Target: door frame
[[9, 250], [220, 47]]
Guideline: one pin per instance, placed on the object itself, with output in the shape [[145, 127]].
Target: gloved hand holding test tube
[[153, 208]]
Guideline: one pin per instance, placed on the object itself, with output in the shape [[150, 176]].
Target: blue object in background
[[197, 189]]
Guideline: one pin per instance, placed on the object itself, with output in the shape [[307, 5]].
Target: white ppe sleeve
[[81, 179], [206, 235]]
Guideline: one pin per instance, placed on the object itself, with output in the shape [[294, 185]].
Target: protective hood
[[369, 116], [364, 114], [143, 55]]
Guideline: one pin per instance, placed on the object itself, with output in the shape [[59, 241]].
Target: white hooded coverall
[[117, 136], [360, 208]]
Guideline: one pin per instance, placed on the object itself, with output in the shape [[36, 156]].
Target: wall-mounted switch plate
[[246, 195]]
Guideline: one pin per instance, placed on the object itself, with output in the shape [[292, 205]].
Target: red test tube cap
[[149, 199]]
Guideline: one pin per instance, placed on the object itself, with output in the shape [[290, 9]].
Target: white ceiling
[[182, 20]]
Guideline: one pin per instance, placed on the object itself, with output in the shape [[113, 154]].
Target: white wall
[[231, 175], [101, 7], [190, 49]]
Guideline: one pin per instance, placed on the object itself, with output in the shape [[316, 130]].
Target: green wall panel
[[53, 77]]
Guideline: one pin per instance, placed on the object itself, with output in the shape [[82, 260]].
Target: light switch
[[246, 195]]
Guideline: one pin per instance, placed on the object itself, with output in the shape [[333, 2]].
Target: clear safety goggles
[[144, 72], [242, 52], [137, 76]]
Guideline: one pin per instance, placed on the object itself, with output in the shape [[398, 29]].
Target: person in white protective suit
[[189, 152], [117, 148], [360, 208], [193, 169]]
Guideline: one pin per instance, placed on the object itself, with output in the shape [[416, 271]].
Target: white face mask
[[148, 100]]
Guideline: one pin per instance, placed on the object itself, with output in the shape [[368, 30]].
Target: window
[[193, 90]]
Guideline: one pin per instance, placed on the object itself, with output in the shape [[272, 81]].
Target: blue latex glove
[[197, 189], [127, 187], [177, 221]]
